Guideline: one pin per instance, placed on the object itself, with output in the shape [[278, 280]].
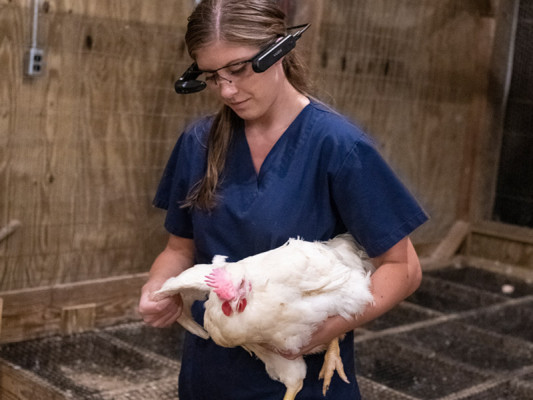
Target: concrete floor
[[467, 333]]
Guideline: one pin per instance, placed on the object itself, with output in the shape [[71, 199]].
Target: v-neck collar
[[278, 156]]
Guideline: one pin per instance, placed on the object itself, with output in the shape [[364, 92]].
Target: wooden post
[[77, 319]]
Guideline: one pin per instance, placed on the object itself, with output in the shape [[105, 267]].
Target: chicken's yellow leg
[[332, 362], [291, 392]]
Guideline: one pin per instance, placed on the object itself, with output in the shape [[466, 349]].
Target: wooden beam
[[431, 264], [19, 384], [9, 229], [452, 241], [512, 270], [507, 244], [512, 233], [38, 312]]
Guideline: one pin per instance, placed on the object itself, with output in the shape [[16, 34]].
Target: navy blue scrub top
[[322, 177]]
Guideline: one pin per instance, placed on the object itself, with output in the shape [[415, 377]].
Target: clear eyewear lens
[[230, 74], [216, 79]]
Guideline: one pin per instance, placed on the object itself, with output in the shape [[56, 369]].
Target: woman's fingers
[[160, 313]]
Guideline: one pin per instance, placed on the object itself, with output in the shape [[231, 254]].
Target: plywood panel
[[406, 71], [80, 171], [83, 146]]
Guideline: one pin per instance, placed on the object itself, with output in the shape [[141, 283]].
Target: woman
[[272, 164]]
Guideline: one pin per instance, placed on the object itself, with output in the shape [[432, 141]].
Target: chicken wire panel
[[371, 390], [448, 297], [167, 342], [158, 390], [87, 365], [414, 373], [403, 314], [489, 281], [510, 319], [528, 377], [506, 391], [487, 351]]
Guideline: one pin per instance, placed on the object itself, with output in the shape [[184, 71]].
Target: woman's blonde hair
[[250, 23]]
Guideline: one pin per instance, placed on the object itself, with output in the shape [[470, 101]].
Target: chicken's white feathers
[[191, 286], [295, 288], [288, 292]]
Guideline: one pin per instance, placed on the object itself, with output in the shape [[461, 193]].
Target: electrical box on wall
[[34, 57], [34, 62]]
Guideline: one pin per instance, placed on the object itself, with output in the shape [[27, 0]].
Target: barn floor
[[466, 334]]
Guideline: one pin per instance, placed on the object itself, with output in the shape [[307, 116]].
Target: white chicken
[[272, 302]]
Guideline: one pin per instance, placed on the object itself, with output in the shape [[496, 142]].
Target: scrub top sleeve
[[374, 205], [173, 189]]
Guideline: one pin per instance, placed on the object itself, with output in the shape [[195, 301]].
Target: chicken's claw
[[332, 362]]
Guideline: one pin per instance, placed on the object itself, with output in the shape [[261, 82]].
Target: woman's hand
[[330, 329], [177, 256], [160, 313]]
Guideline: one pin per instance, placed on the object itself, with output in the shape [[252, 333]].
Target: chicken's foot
[[291, 392], [332, 362]]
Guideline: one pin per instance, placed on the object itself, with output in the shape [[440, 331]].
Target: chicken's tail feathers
[[192, 326]]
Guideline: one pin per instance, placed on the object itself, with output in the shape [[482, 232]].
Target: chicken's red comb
[[220, 280]]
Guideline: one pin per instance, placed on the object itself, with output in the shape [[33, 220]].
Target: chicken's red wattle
[[226, 309], [242, 305]]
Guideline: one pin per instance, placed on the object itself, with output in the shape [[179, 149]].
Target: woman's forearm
[[397, 276]]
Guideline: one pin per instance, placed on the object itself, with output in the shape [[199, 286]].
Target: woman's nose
[[227, 89]]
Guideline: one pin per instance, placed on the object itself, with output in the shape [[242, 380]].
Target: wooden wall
[[83, 146], [414, 73]]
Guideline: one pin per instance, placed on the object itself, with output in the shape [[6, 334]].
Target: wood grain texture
[[78, 318], [82, 147], [406, 71], [502, 243], [40, 312], [19, 384]]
